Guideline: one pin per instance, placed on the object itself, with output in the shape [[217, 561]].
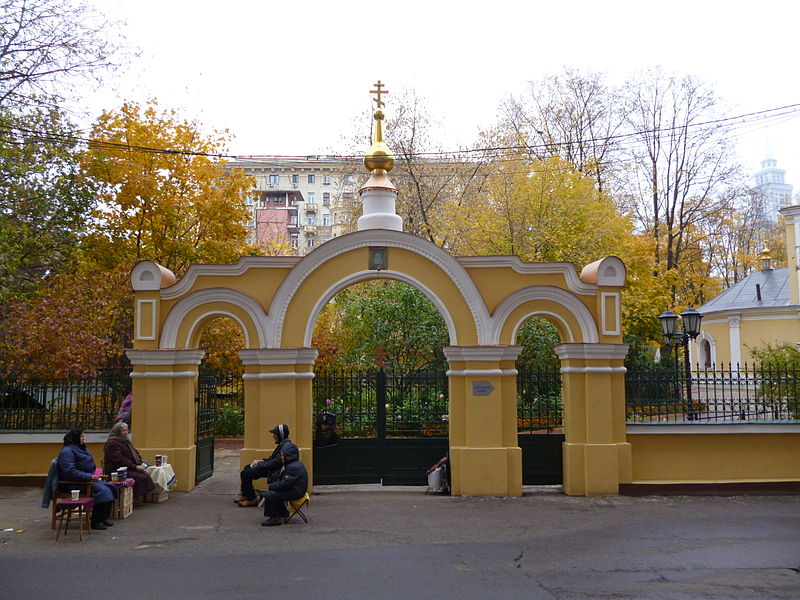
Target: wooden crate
[[157, 497], [123, 505]]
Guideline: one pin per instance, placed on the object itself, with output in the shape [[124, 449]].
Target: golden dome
[[379, 158]]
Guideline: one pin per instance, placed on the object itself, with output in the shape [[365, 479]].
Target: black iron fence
[[411, 404], [58, 404], [539, 408], [416, 405], [738, 394]]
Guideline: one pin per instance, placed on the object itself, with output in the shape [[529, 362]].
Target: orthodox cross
[[380, 356], [378, 91]]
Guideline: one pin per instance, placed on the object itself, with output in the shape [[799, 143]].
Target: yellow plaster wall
[[753, 332], [34, 459], [705, 458], [494, 284]]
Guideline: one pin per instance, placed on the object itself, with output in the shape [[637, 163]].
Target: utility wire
[[782, 113]]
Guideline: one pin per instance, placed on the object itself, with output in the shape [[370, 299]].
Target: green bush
[[229, 421]]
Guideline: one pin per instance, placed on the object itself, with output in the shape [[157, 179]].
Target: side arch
[[316, 260], [570, 316], [184, 321]]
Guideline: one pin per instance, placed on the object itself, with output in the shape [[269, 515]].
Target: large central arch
[[484, 300]]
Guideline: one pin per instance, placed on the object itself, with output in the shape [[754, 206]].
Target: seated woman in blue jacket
[[75, 463]]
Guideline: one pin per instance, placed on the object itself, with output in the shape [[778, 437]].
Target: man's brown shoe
[[253, 502], [240, 498]]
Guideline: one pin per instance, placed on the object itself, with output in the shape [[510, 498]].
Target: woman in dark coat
[[75, 463], [119, 452]]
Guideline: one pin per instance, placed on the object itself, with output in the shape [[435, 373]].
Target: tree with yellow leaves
[[166, 195], [545, 210]]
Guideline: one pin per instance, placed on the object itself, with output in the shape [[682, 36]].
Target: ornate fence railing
[[418, 404], [539, 408], [91, 403], [720, 394]]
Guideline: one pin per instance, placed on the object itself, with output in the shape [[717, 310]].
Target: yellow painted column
[[277, 389], [164, 416], [596, 454], [485, 459]]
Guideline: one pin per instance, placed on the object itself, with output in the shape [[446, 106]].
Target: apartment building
[[299, 202]]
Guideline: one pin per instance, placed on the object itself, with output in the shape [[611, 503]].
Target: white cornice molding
[[376, 237], [567, 269], [272, 376], [279, 356], [592, 351], [156, 358], [481, 353], [482, 373], [245, 263], [544, 292], [179, 312]]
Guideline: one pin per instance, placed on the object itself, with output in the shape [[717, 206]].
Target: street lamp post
[[691, 329]]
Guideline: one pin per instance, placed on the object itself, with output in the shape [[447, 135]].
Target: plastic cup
[[76, 494], [164, 460], [114, 476]]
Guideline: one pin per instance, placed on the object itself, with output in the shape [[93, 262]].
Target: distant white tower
[[771, 184]]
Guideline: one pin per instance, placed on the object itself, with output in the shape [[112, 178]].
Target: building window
[[293, 220], [326, 220], [326, 198], [310, 241], [311, 197], [294, 241], [310, 219], [274, 179], [312, 179], [326, 180], [295, 179], [349, 178]]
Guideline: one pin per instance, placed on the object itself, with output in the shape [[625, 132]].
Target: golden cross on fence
[[378, 91]]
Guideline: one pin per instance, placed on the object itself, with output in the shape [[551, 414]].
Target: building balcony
[[311, 207]]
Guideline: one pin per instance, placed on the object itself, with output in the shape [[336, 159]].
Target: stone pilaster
[[485, 458], [597, 457], [164, 415], [278, 389]]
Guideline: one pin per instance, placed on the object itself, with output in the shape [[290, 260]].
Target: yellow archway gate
[[484, 300]]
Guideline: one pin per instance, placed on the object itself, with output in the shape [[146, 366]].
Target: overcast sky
[[288, 78]]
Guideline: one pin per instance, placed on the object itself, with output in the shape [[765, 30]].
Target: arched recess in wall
[[186, 320], [433, 256], [706, 349], [564, 310]]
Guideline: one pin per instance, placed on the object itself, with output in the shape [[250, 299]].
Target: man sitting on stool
[[291, 485], [269, 467]]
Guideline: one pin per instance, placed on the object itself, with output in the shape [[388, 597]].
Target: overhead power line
[[782, 113]]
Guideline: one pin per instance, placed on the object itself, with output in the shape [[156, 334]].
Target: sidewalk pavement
[[398, 542]]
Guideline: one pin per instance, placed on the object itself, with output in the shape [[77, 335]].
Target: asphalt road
[[366, 542]]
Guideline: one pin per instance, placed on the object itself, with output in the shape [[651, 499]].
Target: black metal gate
[[391, 426], [539, 428], [206, 412]]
